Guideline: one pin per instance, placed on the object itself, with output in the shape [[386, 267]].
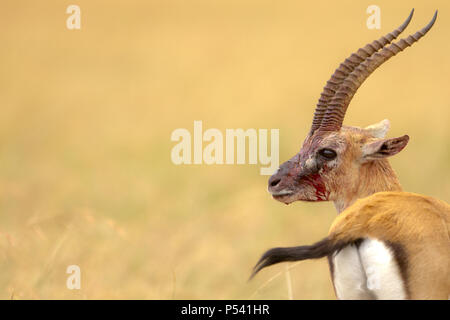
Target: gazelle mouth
[[282, 193]]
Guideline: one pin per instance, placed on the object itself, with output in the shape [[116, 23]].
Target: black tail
[[319, 249]]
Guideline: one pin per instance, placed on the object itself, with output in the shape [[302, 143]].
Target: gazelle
[[389, 244]]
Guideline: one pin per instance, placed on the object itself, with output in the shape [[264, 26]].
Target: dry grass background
[[85, 124]]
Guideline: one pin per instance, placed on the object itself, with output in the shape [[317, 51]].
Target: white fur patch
[[309, 163], [349, 276], [379, 130], [382, 272], [367, 272]]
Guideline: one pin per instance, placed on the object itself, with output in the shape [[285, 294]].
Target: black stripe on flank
[[401, 258]]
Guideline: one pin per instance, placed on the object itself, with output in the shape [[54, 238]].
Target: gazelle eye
[[328, 154]]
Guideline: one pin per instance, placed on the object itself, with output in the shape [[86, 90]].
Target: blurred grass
[[85, 124]]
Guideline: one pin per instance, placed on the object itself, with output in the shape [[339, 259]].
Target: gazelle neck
[[375, 176]]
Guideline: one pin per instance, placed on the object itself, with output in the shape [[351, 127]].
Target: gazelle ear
[[379, 130], [383, 148]]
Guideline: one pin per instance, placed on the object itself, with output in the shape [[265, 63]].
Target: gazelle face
[[306, 175], [331, 161]]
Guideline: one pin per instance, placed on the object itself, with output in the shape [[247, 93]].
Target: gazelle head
[[333, 162], [337, 161]]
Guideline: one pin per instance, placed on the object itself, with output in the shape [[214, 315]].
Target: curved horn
[[348, 66], [334, 115]]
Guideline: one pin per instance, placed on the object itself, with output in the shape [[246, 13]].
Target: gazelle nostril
[[274, 182]]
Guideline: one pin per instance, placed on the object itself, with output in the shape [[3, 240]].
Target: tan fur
[[353, 179], [420, 224]]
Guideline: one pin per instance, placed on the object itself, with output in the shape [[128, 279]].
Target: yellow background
[[85, 123]]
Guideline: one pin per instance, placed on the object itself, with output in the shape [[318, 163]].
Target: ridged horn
[[337, 106], [346, 67]]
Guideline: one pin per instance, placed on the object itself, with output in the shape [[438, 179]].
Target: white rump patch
[[368, 272], [382, 271], [349, 276]]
